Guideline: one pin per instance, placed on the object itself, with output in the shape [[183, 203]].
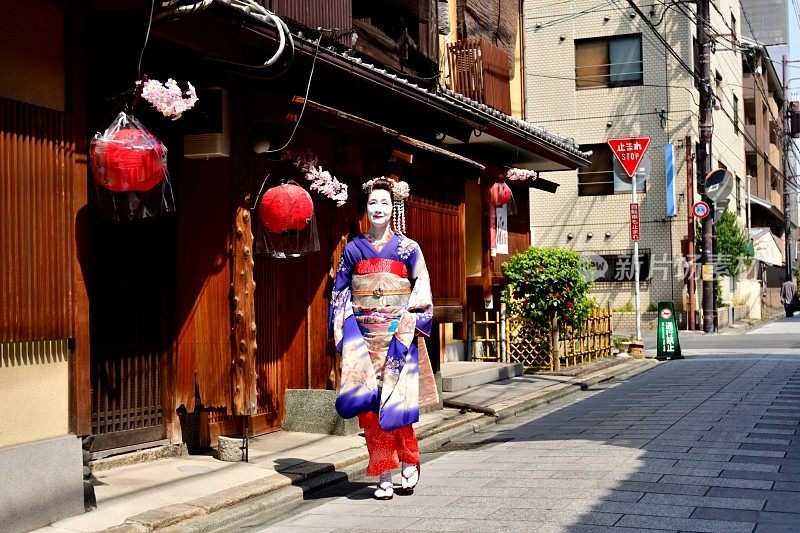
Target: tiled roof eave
[[448, 98]]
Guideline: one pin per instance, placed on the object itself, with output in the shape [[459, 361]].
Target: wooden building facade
[[153, 328]]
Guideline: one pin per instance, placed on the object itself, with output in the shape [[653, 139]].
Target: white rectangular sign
[[501, 234]]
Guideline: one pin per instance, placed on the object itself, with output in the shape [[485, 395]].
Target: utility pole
[[704, 161], [690, 271], [787, 220]]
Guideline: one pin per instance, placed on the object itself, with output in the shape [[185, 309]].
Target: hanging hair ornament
[[400, 191]]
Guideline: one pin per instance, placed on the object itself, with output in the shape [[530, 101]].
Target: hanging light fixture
[[286, 208], [287, 226], [499, 194], [127, 157]]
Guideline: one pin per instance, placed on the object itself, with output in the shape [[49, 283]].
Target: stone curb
[[202, 514], [535, 399], [141, 456]]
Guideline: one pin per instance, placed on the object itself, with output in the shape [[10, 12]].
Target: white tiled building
[[597, 71]]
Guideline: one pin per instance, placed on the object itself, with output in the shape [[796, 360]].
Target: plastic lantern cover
[[129, 165], [287, 225], [499, 194], [127, 157]]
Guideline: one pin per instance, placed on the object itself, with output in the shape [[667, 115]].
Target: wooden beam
[[544, 185], [402, 156], [440, 151], [374, 127], [448, 313]]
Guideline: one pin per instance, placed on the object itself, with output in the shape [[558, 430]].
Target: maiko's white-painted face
[[379, 207]]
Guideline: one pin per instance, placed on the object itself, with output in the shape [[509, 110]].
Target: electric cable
[[284, 36], [657, 85], [146, 38], [305, 101]]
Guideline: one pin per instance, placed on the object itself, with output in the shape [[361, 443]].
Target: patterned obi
[[380, 293]]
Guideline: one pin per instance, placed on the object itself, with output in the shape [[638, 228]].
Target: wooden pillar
[[80, 387], [555, 345], [244, 347]]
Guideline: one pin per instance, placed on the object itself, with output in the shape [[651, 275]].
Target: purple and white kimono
[[381, 305]]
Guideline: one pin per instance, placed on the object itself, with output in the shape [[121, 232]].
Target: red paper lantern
[[499, 193], [129, 160], [287, 207]]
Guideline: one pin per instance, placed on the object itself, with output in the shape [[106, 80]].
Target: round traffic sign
[[643, 170], [666, 314], [701, 209], [718, 184]]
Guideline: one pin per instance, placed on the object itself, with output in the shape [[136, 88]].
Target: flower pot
[[636, 349]]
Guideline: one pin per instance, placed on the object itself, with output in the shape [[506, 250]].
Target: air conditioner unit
[[208, 125]]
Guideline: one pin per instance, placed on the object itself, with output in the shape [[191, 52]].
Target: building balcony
[[775, 158], [774, 110], [748, 87], [750, 132], [776, 199], [479, 70], [766, 212]]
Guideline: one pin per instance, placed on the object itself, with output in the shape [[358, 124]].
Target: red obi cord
[[377, 265]]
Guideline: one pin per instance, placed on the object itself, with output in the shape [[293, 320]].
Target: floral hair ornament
[[400, 191]]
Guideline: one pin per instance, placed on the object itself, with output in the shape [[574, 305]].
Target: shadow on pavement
[[692, 445]]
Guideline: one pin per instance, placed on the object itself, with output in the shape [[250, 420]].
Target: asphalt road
[[708, 443]]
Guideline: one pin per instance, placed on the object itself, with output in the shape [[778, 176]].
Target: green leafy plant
[[619, 340], [547, 282], [627, 308], [733, 248]]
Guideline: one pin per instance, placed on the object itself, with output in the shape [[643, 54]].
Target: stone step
[[462, 375]]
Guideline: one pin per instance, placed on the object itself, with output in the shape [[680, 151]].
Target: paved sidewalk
[[165, 492], [701, 444]]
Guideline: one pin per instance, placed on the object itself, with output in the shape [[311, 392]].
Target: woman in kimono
[[381, 307]]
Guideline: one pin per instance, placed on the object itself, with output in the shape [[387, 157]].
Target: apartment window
[[608, 62], [604, 176], [735, 113], [733, 26]]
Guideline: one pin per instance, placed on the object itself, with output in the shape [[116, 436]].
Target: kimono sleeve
[[420, 303], [341, 307]]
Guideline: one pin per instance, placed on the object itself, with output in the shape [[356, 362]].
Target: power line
[[661, 86], [658, 35], [699, 21], [796, 12], [557, 19], [747, 20], [765, 96], [755, 147], [647, 113]]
